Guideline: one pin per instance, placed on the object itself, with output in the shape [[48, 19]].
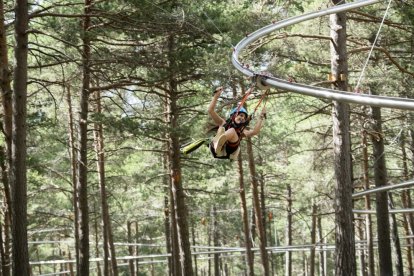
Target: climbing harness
[[230, 122], [257, 81]]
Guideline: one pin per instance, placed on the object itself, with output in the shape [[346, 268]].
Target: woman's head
[[239, 116]]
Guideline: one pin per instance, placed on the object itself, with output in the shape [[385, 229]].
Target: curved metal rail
[[391, 211], [342, 96], [384, 188]]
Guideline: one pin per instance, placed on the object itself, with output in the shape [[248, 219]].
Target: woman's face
[[240, 118]]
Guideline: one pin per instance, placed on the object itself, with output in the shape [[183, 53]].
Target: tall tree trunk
[[130, 249], [169, 220], [345, 263], [69, 266], [408, 192], [19, 151], [215, 233], [396, 241], [257, 210], [322, 253], [313, 240], [137, 252], [245, 217], [261, 184], [380, 172], [97, 236], [361, 251], [167, 228], [175, 252], [5, 243], [175, 248], [109, 248], [270, 238], [180, 207], [194, 244], [73, 158], [2, 252], [368, 220], [288, 261], [406, 202], [167, 215], [6, 97], [82, 166], [411, 139], [252, 224], [209, 255]]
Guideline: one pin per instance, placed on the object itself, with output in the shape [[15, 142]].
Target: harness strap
[[243, 100], [262, 98]]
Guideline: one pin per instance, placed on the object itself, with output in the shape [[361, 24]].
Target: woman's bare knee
[[231, 135]]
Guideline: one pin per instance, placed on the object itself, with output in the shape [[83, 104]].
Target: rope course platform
[[342, 96]]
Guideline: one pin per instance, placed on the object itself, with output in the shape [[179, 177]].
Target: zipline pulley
[[260, 78]]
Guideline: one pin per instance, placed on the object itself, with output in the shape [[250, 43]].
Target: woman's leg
[[231, 135]]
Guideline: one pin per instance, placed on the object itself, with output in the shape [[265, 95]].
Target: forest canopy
[[98, 98]]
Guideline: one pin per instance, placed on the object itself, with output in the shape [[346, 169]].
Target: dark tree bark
[[257, 210], [313, 240], [245, 217], [194, 244], [109, 248], [130, 249], [209, 255], [18, 181], [408, 193], [2, 252], [288, 259], [215, 233], [180, 208], [406, 202], [6, 97], [345, 262], [167, 228], [367, 200], [399, 266], [6, 226], [82, 166], [175, 248], [73, 158], [137, 252], [97, 236], [175, 252], [169, 220], [322, 253], [361, 252], [380, 174]]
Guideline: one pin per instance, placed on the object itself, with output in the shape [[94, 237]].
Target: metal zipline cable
[[372, 47], [194, 25], [342, 96]]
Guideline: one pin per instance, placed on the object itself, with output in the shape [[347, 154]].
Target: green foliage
[[137, 48]]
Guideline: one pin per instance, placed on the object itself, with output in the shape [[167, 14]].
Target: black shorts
[[229, 150]]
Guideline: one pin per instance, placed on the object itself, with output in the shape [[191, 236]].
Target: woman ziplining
[[226, 143]]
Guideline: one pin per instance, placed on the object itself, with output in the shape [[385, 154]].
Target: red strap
[[260, 101], [241, 103]]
